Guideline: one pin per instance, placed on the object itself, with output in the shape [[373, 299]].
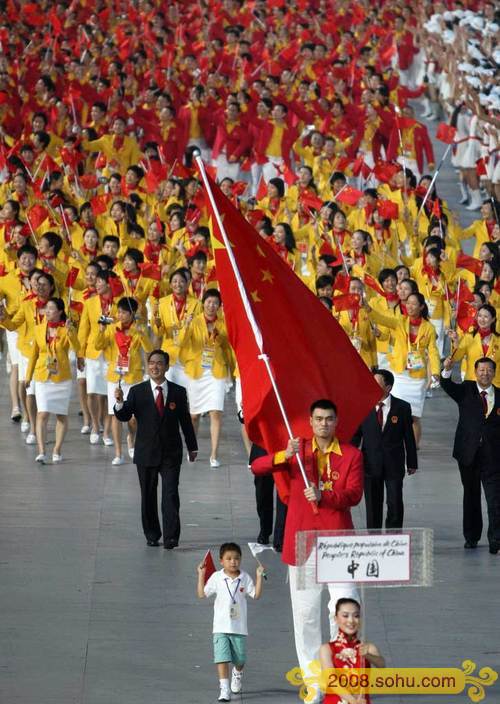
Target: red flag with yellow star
[[310, 355]]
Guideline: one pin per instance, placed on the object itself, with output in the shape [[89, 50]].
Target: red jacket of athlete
[[235, 142], [334, 507], [263, 138]]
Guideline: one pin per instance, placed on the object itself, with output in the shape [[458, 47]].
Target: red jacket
[[237, 142], [264, 136], [205, 117], [334, 508], [421, 143]]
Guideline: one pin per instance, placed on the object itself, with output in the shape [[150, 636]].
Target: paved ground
[[90, 615]]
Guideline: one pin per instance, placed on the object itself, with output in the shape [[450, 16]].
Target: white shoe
[[475, 200], [225, 694], [25, 426], [30, 439], [131, 453], [117, 461], [107, 441], [85, 430], [94, 438], [214, 463], [56, 458], [41, 458], [236, 681]]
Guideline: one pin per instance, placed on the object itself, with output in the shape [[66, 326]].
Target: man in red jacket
[[335, 475], [232, 144]]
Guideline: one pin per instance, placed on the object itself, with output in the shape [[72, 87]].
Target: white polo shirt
[[230, 606]]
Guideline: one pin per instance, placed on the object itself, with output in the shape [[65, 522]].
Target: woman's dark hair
[[398, 268], [279, 184], [135, 254], [366, 238], [59, 304], [413, 285], [425, 310], [129, 304], [211, 293], [16, 207], [385, 274], [311, 183], [290, 243], [50, 279]]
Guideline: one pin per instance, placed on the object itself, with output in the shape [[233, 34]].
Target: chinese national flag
[[261, 190], [384, 170], [37, 215], [387, 209], [373, 284], [72, 276], [116, 286], [299, 335], [150, 270], [446, 133], [349, 195], [209, 565], [309, 200], [347, 301], [466, 316], [464, 261], [99, 204]]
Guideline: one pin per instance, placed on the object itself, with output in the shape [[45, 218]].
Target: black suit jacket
[[158, 439], [387, 451], [473, 428]]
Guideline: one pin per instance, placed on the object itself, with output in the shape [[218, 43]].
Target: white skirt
[[52, 397], [95, 372], [206, 393], [111, 386], [410, 390], [177, 375]]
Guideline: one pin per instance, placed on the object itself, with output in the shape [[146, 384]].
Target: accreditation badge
[[414, 361], [122, 364], [207, 358], [234, 611], [52, 367]]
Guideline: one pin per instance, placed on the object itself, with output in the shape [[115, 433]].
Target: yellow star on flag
[[267, 276], [255, 297]]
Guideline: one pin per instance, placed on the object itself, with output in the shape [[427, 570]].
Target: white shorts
[[11, 336], [95, 372]]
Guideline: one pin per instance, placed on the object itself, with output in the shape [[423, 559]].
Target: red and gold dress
[[345, 654]]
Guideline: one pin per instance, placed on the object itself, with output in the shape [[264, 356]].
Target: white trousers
[[306, 609]]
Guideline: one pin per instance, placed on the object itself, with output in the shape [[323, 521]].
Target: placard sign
[[363, 558]]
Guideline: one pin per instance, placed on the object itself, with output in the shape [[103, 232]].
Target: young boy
[[231, 587]]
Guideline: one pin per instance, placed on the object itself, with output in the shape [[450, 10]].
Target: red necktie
[[160, 404], [380, 414], [483, 395]]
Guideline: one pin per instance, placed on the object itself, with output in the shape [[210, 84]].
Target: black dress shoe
[[263, 539], [494, 549], [470, 545], [170, 544], [153, 543]]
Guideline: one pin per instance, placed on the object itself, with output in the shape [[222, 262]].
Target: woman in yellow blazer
[[50, 367], [123, 341], [414, 349], [274, 204], [356, 324], [169, 318], [208, 357], [433, 284], [483, 342]]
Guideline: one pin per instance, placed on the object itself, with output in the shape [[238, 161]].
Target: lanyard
[[232, 595]]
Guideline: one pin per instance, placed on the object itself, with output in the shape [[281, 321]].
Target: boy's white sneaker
[[236, 681], [225, 694]]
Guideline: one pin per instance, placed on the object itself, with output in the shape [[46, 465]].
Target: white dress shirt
[[164, 388]]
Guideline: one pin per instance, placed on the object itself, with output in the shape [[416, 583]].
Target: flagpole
[[433, 180], [251, 318]]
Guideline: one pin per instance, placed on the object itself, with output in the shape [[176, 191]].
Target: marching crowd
[[306, 114], [105, 247]]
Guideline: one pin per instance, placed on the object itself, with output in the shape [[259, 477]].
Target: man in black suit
[[159, 408], [388, 446], [477, 448]]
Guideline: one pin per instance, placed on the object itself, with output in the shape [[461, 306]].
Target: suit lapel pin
[[172, 406], [394, 419]]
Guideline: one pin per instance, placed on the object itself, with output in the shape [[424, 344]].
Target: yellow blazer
[[379, 304], [124, 157], [13, 290], [88, 329], [166, 324], [106, 341], [425, 345], [24, 321], [363, 332], [195, 344], [38, 367], [439, 307], [470, 349]]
